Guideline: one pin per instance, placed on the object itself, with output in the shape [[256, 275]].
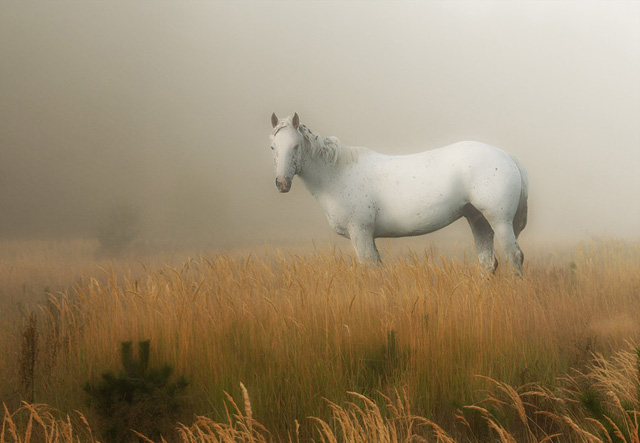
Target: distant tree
[[118, 229]]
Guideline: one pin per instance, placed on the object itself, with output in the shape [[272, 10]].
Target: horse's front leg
[[365, 245]]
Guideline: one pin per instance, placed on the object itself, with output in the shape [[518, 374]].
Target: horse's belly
[[398, 220], [410, 202]]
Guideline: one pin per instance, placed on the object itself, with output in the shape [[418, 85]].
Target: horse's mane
[[330, 149]]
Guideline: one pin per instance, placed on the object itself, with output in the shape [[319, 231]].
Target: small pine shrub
[[139, 397], [380, 365]]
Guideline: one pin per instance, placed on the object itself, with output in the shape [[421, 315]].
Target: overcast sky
[[165, 106]]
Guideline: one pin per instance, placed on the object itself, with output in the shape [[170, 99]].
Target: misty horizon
[[165, 108]]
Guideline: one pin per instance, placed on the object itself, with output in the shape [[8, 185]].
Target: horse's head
[[286, 143]]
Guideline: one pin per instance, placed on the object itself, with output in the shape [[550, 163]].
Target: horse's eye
[[272, 148]]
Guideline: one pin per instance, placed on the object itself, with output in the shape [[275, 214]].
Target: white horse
[[366, 195]]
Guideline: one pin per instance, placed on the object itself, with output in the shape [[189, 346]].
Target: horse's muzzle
[[283, 184]]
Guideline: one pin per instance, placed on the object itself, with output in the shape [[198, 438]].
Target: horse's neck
[[316, 172]]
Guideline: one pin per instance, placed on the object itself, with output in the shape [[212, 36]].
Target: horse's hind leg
[[483, 237], [507, 239]]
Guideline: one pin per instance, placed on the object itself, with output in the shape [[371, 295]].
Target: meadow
[[312, 346]]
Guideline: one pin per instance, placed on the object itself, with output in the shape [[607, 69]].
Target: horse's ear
[[295, 120], [274, 120]]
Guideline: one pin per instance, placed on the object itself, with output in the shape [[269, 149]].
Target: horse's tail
[[520, 219]]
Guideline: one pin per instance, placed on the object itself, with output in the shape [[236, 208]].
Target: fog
[[165, 107]]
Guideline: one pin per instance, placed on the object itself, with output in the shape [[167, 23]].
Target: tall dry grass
[[532, 413], [302, 331]]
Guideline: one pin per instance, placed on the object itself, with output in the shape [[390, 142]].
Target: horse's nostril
[[283, 184]]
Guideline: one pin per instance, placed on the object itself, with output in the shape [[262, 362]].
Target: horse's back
[[464, 164]]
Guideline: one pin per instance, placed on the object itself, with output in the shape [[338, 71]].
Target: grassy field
[[278, 346]]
